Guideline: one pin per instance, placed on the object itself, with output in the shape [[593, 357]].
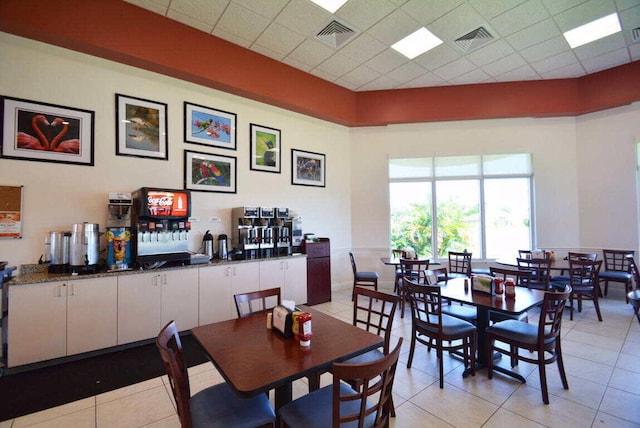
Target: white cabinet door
[[272, 274], [37, 325], [216, 299], [179, 298], [139, 300], [296, 280], [245, 277], [92, 314]]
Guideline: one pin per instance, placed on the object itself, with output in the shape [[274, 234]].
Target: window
[[480, 203]]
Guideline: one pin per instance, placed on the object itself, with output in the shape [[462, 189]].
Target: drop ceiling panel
[[427, 12], [537, 33], [244, 23], [556, 6], [303, 17], [503, 65], [543, 50], [361, 76], [338, 64], [363, 14], [555, 62], [598, 63], [454, 69], [428, 79], [584, 13], [491, 9], [521, 73], [269, 9], [490, 53], [600, 47], [386, 61], [475, 76], [280, 39], [394, 27], [190, 21], [363, 48], [520, 17], [204, 10], [436, 58], [311, 52], [456, 23], [407, 72], [569, 72], [381, 83]]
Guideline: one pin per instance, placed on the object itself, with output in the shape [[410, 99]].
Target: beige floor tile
[[82, 419], [625, 380], [601, 329], [589, 352], [581, 391], [496, 390], [585, 369], [504, 418], [628, 362], [6, 424], [631, 348], [621, 404], [604, 420], [561, 413], [408, 415], [606, 342], [455, 406], [135, 410], [129, 390], [170, 422], [409, 382], [55, 412]]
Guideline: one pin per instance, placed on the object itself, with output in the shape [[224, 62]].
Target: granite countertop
[[38, 273]]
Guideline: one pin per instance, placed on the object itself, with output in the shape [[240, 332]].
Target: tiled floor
[[602, 362]]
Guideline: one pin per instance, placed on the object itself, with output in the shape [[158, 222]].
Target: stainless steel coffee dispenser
[[84, 248], [265, 229], [247, 238], [57, 251], [281, 232]]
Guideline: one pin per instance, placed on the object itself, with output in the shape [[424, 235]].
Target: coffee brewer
[[294, 224], [119, 232], [265, 229], [247, 238], [281, 232], [160, 226]]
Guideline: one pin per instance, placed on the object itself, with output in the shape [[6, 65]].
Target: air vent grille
[[335, 34], [635, 34], [473, 39]]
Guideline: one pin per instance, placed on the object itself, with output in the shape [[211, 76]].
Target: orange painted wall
[[118, 31]]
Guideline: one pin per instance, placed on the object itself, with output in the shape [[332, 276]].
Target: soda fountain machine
[[265, 228], [246, 239], [119, 232], [160, 226], [281, 232]]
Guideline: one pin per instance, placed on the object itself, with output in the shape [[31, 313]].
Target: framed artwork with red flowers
[[209, 127], [37, 131]]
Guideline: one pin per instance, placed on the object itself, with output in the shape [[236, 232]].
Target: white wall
[[58, 195]]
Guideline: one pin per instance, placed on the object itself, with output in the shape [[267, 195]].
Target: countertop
[[38, 273]]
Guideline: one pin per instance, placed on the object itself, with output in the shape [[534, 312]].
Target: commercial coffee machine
[[160, 226], [247, 238], [294, 224], [265, 229], [281, 232], [119, 232]]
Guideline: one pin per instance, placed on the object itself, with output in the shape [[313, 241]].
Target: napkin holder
[[282, 318], [483, 284]]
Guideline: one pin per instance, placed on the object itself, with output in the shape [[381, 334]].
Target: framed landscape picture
[[265, 148], [141, 128], [209, 126], [308, 168], [37, 131], [209, 173]]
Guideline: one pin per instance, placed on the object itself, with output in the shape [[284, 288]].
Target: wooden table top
[[393, 261], [254, 359], [556, 264]]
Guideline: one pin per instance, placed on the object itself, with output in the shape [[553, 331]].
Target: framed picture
[[265, 148], [209, 126], [308, 168], [209, 173], [36, 131], [141, 128]]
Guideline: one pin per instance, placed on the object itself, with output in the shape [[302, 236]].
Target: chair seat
[[367, 357], [560, 278], [496, 316], [463, 312], [614, 275], [483, 271], [634, 295], [366, 276], [451, 326], [219, 406], [310, 411], [515, 331]]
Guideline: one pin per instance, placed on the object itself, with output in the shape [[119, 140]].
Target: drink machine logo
[[163, 204]]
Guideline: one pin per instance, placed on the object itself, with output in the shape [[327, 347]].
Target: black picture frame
[[141, 128]]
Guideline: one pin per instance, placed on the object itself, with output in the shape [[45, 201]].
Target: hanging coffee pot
[[207, 244]]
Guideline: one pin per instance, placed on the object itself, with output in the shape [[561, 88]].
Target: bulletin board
[[10, 212]]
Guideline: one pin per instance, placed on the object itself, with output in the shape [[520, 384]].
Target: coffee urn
[[84, 248], [57, 251]]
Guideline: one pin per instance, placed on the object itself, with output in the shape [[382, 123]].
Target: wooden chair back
[[633, 270], [460, 263], [377, 383], [426, 305], [398, 254], [522, 278], [256, 301], [375, 311], [433, 276], [540, 272], [170, 348], [582, 256], [584, 273], [617, 260], [414, 269]]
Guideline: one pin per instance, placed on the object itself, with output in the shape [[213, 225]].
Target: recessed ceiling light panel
[[593, 31], [330, 5], [417, 43]]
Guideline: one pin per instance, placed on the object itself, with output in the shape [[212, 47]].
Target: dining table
[[557, 264], [254, 359], [454, 289], [395, 261]]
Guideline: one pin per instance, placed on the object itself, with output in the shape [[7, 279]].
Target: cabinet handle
[[60, 290], [286, 264], [234, 271], [227, 271], [163, 279], [73, 290]]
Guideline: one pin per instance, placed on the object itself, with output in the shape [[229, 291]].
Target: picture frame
[[209, 126], [43, 132], [141, 128], [266, 148], [208, 172], [308, 168]]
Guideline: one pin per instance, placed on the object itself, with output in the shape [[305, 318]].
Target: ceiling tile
[[346, 84], [456, 23], [583, 13], [338, 64], [521, 73], [539, 32], [365, 13], [202, 10], [635, 52], [263, 50], [363, 48], [503, 65], [491, 9], [556, 6], [406, 72], [361, 76], [269, 9], [490, 53], [243, 23], [520, 17], [427, 79], [394, 27], [475, 76], [324, 75], [381, 83], [386, 61], [454, 69], [231, 38], [297, 64], [626, 4], [438, 57], [303, 17], [545, 49], [608, 60], [569, 72], [555, 62], [600, 47], [426, 12], [280, 39], [159, 7], [191, 22], [311, 52], [630, 18]]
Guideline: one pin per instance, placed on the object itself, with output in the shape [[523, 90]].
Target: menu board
[[11, 212]]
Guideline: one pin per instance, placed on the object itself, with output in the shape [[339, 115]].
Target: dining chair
[[431, 327], [522, 278], [256, 302], [339, 404], [543, 339], [469, 314], [215, 406], [616, 269], [560, 281], [634, 296], [413, 269], [369, 279], [540, 272], [398, 254], [459, 264], [583, 276]]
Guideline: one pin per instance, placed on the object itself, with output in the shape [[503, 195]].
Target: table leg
[[283, 395], [482, 322]]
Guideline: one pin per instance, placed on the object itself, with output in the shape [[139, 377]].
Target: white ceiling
[[527, 45]]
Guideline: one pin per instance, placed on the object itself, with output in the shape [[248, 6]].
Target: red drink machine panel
[[160, 225]]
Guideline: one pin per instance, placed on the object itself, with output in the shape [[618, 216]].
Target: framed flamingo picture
[[206, 172], [141, 128], [37, 131]]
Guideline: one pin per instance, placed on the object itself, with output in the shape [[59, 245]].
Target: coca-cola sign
[[165, 204]]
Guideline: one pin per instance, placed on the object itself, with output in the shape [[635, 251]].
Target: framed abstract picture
[[209, 173], [308, 168], [141, 128], [265, 148], [37, 131], [209, 126]]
